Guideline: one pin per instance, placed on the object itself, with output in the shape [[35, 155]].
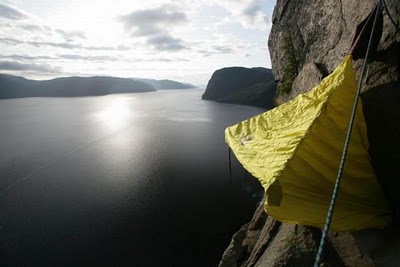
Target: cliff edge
[[307, 41], [245, 86]]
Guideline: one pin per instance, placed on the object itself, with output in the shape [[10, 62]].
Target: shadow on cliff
[[382, 114]]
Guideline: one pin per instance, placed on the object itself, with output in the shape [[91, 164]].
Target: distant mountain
[[16, 87], [246, 86], [166, 84]]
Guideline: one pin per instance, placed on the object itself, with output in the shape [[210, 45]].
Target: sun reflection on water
[[115, 114]]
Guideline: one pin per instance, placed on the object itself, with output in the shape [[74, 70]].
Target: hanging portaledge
[[294, 150]]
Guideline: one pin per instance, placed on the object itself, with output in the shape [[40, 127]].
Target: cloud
[[26, 27], [222, 49], [152, 24], [25, 57], [62, 56], [255, 15], [12, 65], [12, 13], [152, 21], [6, 25], [89, 58], [165, 42], [216, 50], [251, 14], [71, 35], [79, 46], [9, 41], [54, 44], [65, 45], [169, 60], [30, 27], [252, 9]]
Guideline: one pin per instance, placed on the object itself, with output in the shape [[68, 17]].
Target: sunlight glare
[[116, 114]]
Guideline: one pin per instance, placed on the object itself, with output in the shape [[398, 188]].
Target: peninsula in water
[[18, 87], [244, 86]]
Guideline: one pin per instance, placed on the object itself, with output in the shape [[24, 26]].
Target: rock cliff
[[246, 86], [307, 41]]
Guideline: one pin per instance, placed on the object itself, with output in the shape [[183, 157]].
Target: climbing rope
[[396, 25], [346, 147]]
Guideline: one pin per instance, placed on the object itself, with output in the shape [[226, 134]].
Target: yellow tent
[[295, 149]]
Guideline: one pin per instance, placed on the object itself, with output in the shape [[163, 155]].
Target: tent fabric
[[295, 149]]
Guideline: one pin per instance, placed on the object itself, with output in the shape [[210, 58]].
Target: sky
[[183, 40]]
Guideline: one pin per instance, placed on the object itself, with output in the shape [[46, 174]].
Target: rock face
[[239, 85], [314, 37]]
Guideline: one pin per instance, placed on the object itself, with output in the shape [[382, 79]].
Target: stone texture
[[322, 32], [233, 254]]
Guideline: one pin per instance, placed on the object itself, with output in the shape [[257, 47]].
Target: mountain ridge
[[12, 86], [166, 84]]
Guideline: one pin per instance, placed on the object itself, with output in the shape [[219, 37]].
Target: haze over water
[[132, 178]]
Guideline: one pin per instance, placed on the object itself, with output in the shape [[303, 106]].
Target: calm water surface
[[138, 179]]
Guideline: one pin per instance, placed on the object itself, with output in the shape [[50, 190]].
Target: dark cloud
[[65, 45], [12, 65], [12, 13], [152, 21], [165, 42]]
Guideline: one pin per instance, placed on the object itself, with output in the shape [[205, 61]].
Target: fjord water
[[137, 178]]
